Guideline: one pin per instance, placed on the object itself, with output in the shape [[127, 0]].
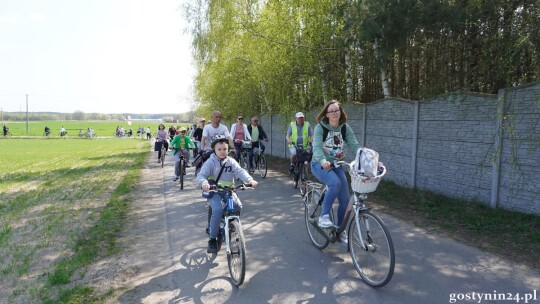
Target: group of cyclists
[[213, 142]]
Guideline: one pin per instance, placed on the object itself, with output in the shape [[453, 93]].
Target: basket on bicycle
[[246, 144], [366, 184]]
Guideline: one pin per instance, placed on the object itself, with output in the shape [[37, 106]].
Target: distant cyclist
[[5, 129], [197, 136], [181, 143], [47, 131], [299, 134], [162, 138], [213, 129], [239, 133], [257, 136]]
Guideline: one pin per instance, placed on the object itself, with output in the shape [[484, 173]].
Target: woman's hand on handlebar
[[327, 165], [205, 186]]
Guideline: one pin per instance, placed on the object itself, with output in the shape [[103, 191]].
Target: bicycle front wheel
[[182, 173], [312, 211], [375, 259], [237, 257], [261, 166], [302, 180], [244, 162], [297, 173], [162, 157]]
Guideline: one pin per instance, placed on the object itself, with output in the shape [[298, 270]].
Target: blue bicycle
[[230, 231]]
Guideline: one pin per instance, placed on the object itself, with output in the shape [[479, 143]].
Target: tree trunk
[[382, 69]]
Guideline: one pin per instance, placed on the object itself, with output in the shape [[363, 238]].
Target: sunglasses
[[240, 118]]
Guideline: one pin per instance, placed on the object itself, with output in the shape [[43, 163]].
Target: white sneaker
[[343, 238], [325, 222], [175, 178]]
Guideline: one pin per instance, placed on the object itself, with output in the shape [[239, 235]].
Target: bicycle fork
[[358, 208]]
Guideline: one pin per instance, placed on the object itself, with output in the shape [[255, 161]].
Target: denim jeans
[[217, 213], [338, 187]]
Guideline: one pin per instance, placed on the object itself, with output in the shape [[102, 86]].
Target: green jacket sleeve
[[189, 143], [174, 143], [318, 153]]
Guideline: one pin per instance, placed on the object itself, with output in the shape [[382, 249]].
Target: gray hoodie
[[210, 171]]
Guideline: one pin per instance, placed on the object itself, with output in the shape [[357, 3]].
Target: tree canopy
[[277, 56]]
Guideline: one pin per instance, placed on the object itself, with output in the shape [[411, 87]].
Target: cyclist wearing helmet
[[181, 143], [210, 171]]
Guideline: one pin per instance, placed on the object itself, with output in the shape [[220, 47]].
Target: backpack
[[366, 162], [326, 130]]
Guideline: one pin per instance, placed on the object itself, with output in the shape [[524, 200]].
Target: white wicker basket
[[366, 184], [246, 144]]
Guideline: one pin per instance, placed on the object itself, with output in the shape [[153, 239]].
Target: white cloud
[[10, 17], [38, 17]]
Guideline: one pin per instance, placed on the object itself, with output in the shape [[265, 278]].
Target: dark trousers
[[255, 144]]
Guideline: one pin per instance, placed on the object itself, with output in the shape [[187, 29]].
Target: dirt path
[[144, 244]]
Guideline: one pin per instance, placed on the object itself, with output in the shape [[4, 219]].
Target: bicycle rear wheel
[[262, 166], [237, 257], [312, 211], [375, 262]]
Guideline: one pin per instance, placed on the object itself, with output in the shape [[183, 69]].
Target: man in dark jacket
[[257, 136]]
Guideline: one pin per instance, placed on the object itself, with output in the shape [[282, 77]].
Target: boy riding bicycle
[[181, 143], [221, 168]]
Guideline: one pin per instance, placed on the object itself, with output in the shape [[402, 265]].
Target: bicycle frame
[[229, 212], [355, 205]]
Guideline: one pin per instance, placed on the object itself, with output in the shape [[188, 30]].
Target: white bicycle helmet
[[217, 139]]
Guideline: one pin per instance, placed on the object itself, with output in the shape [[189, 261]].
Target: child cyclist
[[181, 143], [219, 165]]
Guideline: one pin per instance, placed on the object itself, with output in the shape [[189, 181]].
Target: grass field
[[61, 204], [101, 128]]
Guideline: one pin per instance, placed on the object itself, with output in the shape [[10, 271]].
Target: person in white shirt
[[213, 129]]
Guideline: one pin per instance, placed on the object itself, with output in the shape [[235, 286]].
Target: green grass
[[101, 128], [62, 205], [513, 235]]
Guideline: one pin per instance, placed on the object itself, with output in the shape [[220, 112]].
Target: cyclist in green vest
[[299, 134]]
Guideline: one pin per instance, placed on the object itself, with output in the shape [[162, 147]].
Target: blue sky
[[105, 56]]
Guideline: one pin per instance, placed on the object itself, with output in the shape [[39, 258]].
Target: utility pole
[[26, 114]]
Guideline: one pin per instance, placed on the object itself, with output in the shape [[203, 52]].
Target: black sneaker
[[291, 168], [212, 246]]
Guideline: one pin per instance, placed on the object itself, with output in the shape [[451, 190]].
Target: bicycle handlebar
[[219, 188], [339, 163]]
